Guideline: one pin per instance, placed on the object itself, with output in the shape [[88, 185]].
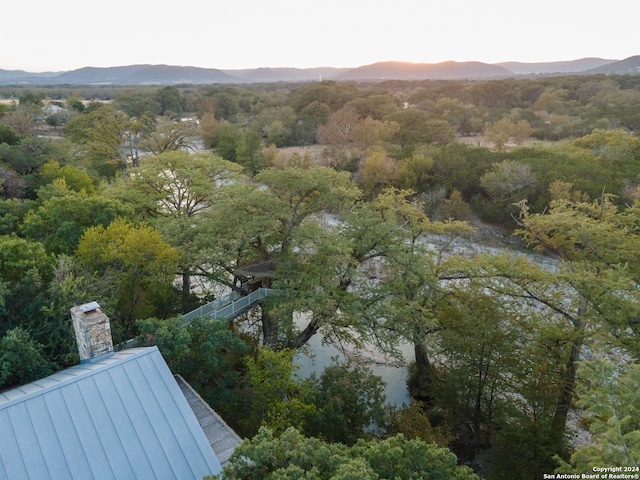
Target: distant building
[[116, 415]]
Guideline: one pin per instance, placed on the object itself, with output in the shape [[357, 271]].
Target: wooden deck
[[221, 437]]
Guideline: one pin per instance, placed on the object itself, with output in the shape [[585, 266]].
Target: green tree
[[12, 213], [8, 135], [21, 359], [413, 422], [458, 166], [464, 117], [410, 288], [595, 241], [617, 152], [75, 105], [249, 152], [419, 127], [169, 99], [76, 179], [30, 98], [611, 406], [107, 134], [281, 399], [507, 183], [349, 401], [211, 357], [278, 220], [376, 171], [480, 357], [169, 136], [278, 125], [31, 153], [415, 173], [25, 269], [137, 264], [60, 220], [590, 294], [507, 179], [292, 455], [227, 138], [375, 105], [524, 323], [71, 285], [455, 207], [333, 94], [174, 191], [138, 104]]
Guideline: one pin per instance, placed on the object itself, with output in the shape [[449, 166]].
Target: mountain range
[[176, 75]]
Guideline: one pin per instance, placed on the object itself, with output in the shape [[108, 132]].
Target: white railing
[[229, 306], [218, 303]]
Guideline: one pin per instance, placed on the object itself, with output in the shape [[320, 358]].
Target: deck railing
[[228, 306]]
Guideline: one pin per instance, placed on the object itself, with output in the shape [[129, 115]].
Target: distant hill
[[425, 71], [629, 65], [174, 75], [572, 66], [144, 75], [168, 75], [19, 76], [264, 75]]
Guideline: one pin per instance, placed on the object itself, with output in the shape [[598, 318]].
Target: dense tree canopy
[[340, 198], [294, 456], [138, 264]]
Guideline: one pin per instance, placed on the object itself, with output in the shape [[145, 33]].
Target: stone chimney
[[93, 332]]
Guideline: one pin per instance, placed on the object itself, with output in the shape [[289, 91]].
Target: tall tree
[[280, 220], [25, 271], [612, 408], [349, 401], [339, 130], [108, 134], [21, 359], [169, 136], [419, 127], [138, 264], [408, 289], [174, 191], [594, 290], [169, 99]]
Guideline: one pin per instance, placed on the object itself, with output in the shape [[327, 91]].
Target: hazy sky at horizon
[[41, 35]]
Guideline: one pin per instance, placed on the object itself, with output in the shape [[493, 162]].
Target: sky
[[60, 35]]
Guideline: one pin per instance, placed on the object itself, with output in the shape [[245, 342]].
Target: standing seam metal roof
[[122, 417]]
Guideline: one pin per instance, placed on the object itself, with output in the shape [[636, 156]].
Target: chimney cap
[[89, 307]]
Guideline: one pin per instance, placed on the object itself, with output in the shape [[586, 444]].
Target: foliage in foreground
[[612, 405], [292, 455], [21, 359]]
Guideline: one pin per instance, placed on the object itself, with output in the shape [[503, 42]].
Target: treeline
[[438, 138], [155, 200]]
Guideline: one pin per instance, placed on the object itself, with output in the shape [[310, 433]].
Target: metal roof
[[122, 417]]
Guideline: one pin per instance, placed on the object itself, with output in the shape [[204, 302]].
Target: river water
[[394, 375]]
